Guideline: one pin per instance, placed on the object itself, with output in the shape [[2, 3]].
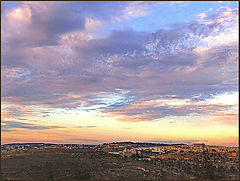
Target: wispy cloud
[[86, 126], [10, 125]]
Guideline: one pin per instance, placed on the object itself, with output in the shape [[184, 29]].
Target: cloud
[[86, 126], [9, 111], [10, 125], [138, 8], [40, 24], [148, 112], [55, 58]]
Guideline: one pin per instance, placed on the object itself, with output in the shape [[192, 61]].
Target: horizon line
[[111, 142]]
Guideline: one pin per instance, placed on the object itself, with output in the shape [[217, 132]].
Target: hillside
[[61, 163], [73, 164]]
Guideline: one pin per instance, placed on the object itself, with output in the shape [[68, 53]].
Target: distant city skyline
[[95, 72]]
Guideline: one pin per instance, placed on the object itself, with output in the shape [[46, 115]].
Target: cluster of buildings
[[149, 153], [27, 146], [141, 151], [23, 146]]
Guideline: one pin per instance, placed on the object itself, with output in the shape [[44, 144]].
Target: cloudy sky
[[94, 72]]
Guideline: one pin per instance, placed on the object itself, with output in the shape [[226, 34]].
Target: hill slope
[[73, 164], [61, 163]]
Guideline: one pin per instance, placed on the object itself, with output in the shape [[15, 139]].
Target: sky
[[94, 72]]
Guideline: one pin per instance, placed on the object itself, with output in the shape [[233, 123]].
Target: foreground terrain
[[61, 163]]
